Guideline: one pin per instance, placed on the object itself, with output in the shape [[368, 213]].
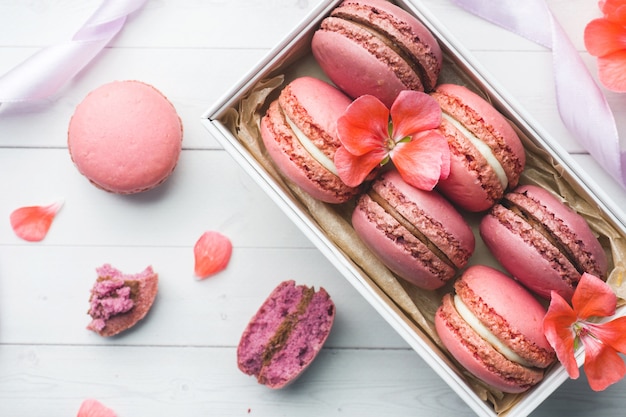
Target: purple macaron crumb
[[109, 297]]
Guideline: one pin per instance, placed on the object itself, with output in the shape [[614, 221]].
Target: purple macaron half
[[286, 334]]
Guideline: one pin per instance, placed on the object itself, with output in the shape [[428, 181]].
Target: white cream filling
[[310, 147], [485, 333], [483, 148]]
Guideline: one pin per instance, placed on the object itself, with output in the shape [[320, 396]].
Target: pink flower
[[33, 222], [212, 253], [371, 135], [566, 327], [605, 38]]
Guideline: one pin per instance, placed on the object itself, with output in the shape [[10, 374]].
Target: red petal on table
[[92, 408], [212, 253], [33, 222]]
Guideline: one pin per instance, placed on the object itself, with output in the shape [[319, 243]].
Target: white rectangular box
[[292, 57]]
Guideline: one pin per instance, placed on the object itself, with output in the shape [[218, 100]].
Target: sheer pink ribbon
[[581, 104], [49, 69]]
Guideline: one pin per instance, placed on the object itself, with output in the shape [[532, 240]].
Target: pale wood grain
[[181, 359]]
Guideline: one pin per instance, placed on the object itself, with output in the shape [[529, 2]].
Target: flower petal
[[557, 327], [613, 333], [603, 366], [424, 160], [33, 222], [603, 37], [212, 253], [352, 169], [92, 408], [593, 297], [612, 71], [413, 112], [614, 10], [364, 125]]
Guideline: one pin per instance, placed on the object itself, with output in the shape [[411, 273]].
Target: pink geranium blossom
[[605, 38], [371, 135], [566, 327]]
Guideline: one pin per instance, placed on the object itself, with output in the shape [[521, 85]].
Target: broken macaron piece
[[286, 334], [118, 301]]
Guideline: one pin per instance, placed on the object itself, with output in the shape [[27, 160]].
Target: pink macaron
[[286, 334], [417, 234], [542, 242], [299, 131], [125, 137], [375, 47], [494, 328], [487, 156]]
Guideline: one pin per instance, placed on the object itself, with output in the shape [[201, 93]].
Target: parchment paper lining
[[418, 306]]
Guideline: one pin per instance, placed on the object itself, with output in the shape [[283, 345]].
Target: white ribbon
[[49, 69]]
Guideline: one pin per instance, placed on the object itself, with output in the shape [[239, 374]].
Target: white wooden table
[[181, 360]]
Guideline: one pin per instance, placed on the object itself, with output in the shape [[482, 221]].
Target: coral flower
[[566, 327], [371, 135], [605, 38]]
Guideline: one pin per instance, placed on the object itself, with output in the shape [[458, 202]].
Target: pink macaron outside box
[[233, 120]]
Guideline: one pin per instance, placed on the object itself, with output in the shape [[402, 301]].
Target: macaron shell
[[509, 310], [533, 258], [125, 137], [403, 28], [477, 356], [314, 107], [403, 252], [424, 269], [524, 257], [447, 225], [359, 72], [364, 48], [473, 183], [511, 314], [582, 240]]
